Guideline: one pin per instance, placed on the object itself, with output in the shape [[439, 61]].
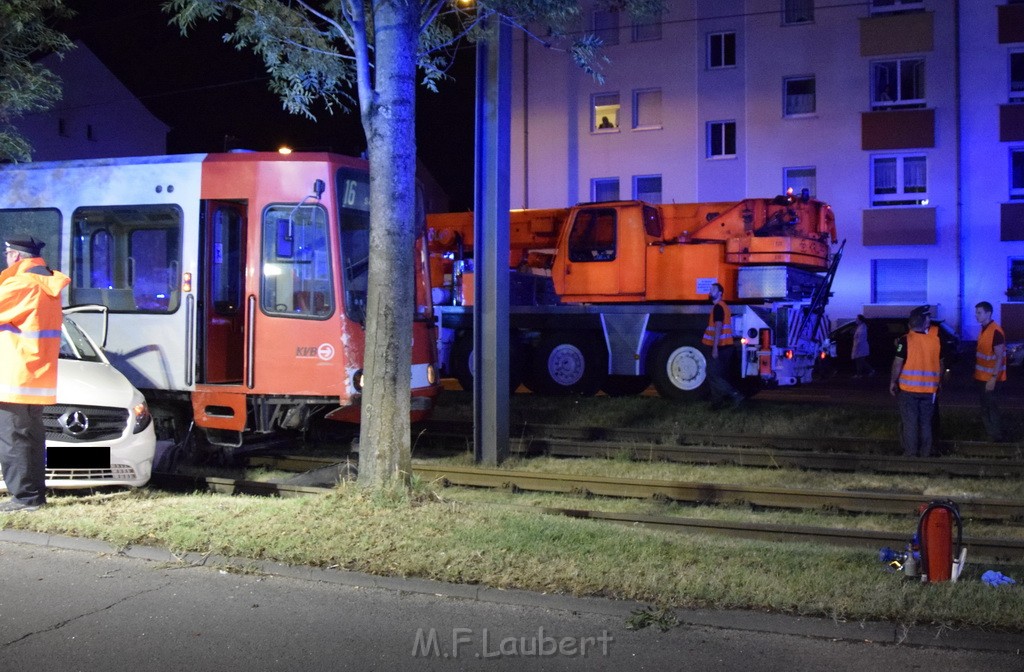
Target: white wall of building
[[554, 164]]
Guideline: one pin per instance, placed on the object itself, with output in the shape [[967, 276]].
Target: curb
[[877, 632]]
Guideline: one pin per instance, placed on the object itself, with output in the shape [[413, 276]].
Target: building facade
[[907, 116], [97, 117]]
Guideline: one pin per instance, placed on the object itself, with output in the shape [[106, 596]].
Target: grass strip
[[432, 537]]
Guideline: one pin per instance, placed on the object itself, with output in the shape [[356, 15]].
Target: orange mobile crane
[[613, 296]]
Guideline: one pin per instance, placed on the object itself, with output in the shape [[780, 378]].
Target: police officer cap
[[30, 246], [921, 310]]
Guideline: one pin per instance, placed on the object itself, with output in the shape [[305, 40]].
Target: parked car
[[100, 432], [883, 333]]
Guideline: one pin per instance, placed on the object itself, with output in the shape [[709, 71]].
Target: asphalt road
[[64, 609]]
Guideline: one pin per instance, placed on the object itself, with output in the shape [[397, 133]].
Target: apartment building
[[906, 115]]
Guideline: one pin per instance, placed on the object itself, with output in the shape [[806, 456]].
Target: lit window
[[721, 139], [899, 180], [799, 96], [899, 281], [647, 188], [721, 50], [605, 112], [647, 108], [898, 83], [647, 30], [797, 11], [604, 189], [606, 26], [1017, 172], [800, 178], [880, 6], [1015, 279], [1017, 77]]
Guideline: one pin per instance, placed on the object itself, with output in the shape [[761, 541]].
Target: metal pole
[[491, 246]]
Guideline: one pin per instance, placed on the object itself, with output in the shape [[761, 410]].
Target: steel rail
[[848, 501], [991, 549], [795, 459], [1002, 550], [682, 437]]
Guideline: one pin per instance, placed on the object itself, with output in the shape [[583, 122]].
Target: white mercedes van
[[100, 432]]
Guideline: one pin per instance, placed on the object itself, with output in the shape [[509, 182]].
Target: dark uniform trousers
[[718, 373], [916, 411], [23, 452]]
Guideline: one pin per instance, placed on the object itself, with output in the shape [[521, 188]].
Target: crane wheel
[[462, 362], [678, 368], [569, 363]]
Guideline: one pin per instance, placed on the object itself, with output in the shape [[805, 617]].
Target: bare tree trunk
[[389, 122]]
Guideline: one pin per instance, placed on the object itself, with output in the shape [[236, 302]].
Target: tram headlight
[[357, 380], [431, 374]]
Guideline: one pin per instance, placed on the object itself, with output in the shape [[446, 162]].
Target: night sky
[[215, 98]]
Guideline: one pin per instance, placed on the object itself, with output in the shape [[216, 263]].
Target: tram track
[[989, 549], [971, 459]]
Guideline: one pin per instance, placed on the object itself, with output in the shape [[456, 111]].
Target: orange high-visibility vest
[[30, 322], [725, 337], [921, 369], [985, 360]]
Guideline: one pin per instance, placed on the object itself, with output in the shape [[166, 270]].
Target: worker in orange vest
[[914, 381], [30, 326], [989, 368], [718, 348]]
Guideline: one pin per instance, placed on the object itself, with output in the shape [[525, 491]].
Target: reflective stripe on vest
[[920, 372], [985, 360], [725, 337], [46, 333]]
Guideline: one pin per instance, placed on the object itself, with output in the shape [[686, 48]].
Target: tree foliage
[[25, 85], [369, 55]]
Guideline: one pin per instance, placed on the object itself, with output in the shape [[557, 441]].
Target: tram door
[[222, 311]]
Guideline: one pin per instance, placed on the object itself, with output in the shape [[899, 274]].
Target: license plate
[[71, 457]]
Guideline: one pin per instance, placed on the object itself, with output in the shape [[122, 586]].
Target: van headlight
[[140, 415]]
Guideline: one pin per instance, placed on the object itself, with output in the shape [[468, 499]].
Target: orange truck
[[613, 296]]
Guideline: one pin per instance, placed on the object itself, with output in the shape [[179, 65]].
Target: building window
[[1017, 77], [647, 30], [721, 50], [1017, 172], [1015, 279], [898, 83], [90, 134], [899, 180], [647, 109], [606, 112], [62, 127], [606, 26], [900, 281], [798, 179], [647, 188], [721, 139], [881, 6], [797, 11], [604, 189], [799, 96]]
